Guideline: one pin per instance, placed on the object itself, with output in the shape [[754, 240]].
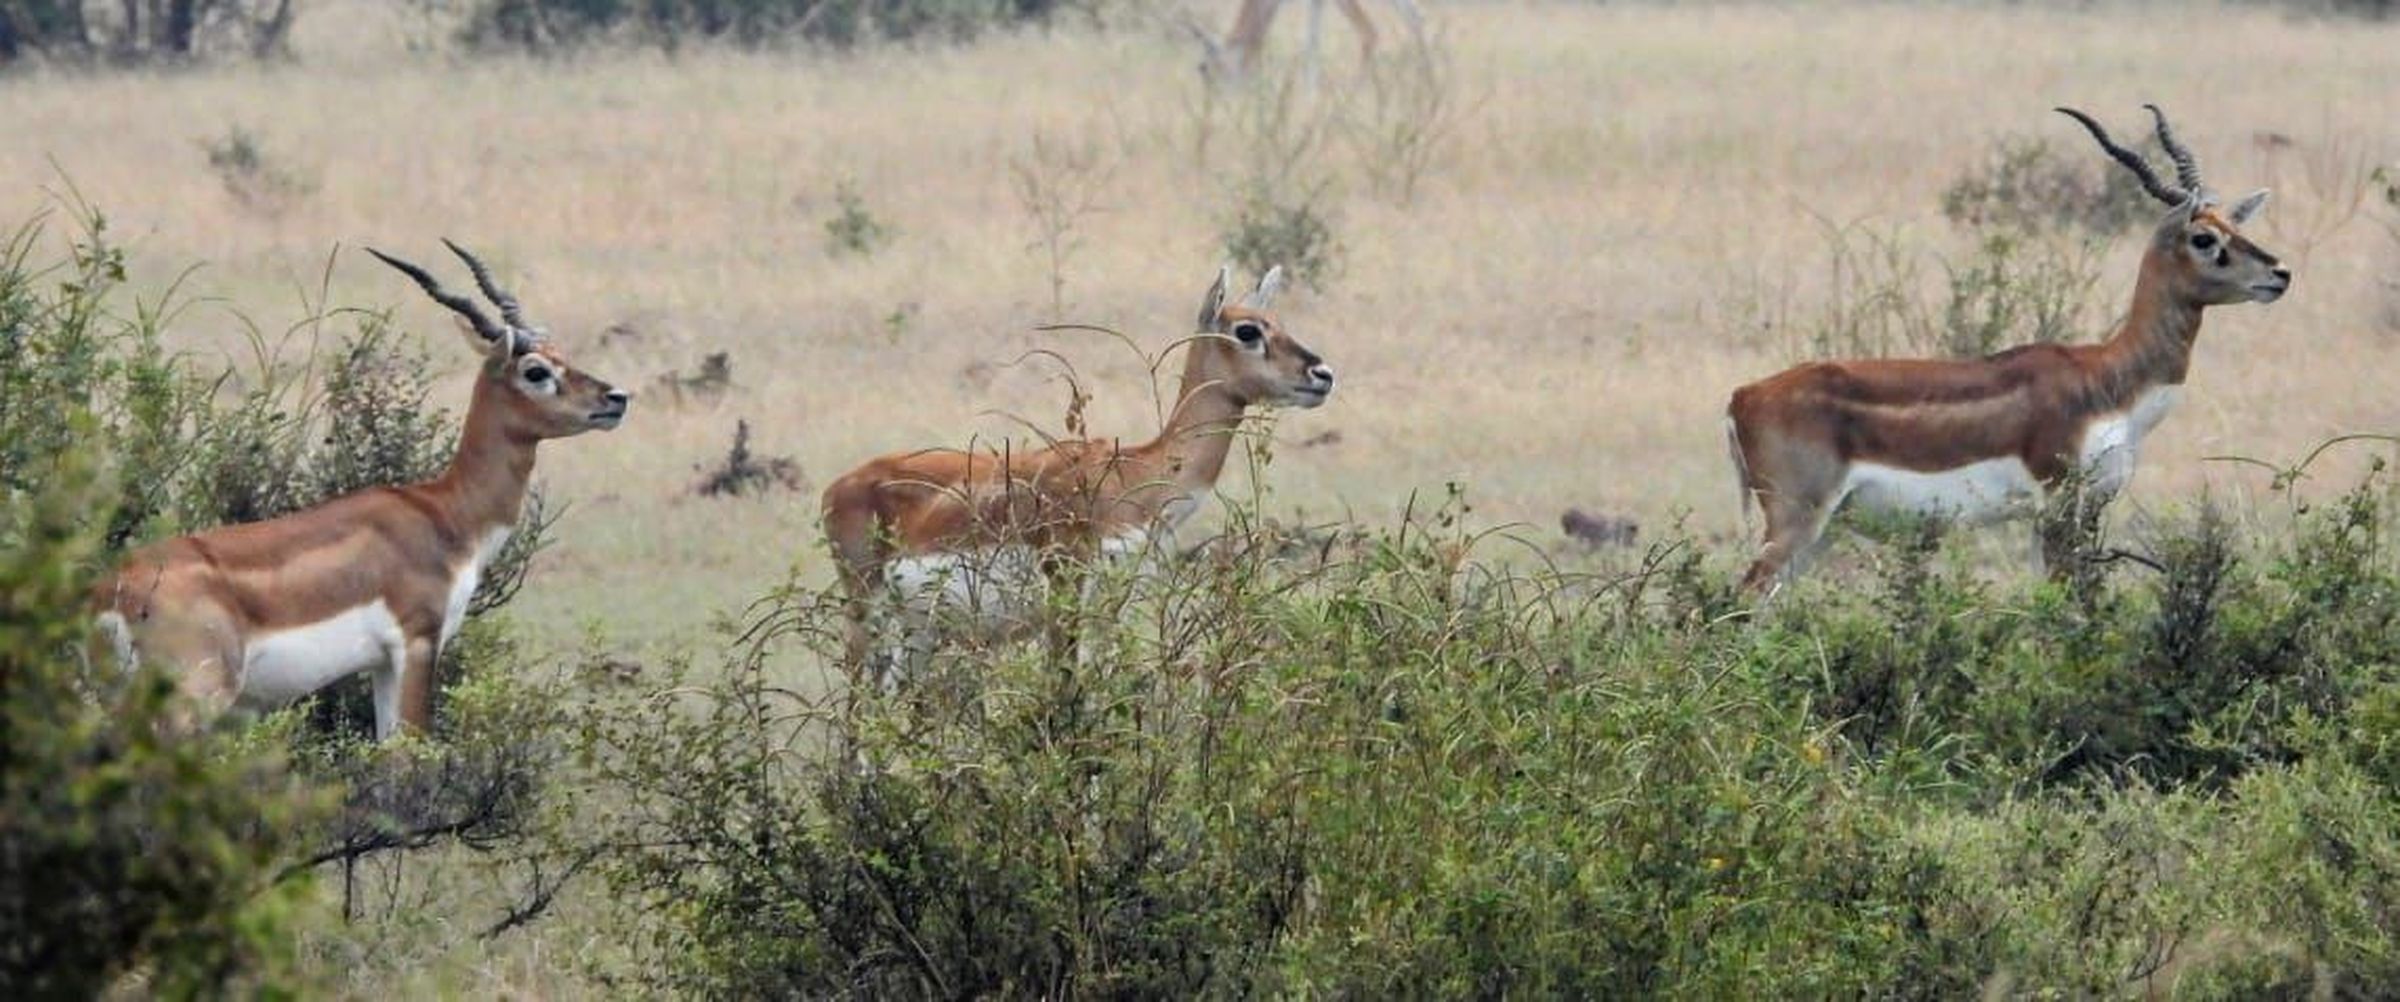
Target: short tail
[[1741, 473]]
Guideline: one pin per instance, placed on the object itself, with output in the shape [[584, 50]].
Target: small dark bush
[[744, 472], [143, 31], [853, 229], [1270, 227], [544, 24], [254, 179], [2026, 184]]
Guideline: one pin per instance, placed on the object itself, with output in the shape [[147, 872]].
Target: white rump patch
[[285, 665], [1977, 492]]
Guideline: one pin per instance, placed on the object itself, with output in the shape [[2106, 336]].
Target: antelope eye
[[1248, 333], [2204, 241], [537, 374]]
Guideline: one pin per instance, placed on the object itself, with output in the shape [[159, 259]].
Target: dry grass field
[[1555, 318]]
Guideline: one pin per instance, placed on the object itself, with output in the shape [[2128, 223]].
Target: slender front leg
[[404, 688]]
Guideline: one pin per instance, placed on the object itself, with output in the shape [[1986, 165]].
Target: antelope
[[1231, 60], [376, 581], [986, 533], [1979, 440]]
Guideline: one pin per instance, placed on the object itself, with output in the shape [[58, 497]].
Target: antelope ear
[[2247, 207], [1269, 285], [1212, 303]]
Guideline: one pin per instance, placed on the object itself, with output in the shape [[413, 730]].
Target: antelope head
[[2200, 242], [542, 396], [1244, 351]]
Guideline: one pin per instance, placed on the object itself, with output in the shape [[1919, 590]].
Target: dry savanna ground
[[1554, 318]]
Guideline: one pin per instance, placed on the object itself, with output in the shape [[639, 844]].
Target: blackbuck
[[1232, 60], [1981, 439], [261, 614], [978, 537]]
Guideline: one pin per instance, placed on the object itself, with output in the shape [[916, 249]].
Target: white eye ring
[[537, 374], [1248, 333]]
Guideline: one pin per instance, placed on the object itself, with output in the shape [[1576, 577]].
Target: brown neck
[[488, 475], [2153, 346], [1199, 433]]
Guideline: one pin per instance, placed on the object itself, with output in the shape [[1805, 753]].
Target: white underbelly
[[1981, 491], [1003, 588], [996, 587], [285, 665]]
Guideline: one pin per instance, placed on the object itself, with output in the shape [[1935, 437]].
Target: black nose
[[618, 397], [2282, 275], [1321, 373]]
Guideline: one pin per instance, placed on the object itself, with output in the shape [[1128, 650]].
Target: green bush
[[175, 862], [2015, 287], [546, 24], [1381, 768], [1271, 227], [122, 851], [2027, 185], [143, 31]]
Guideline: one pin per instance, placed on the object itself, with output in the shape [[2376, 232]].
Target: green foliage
[[547, 24], [1272, 227], [73, 373], [121, 849], [255, 179], [1372, 766], [129, 858], [2014, 292], [853, 229], [2026, 185], [142, 31], [2017, 287]]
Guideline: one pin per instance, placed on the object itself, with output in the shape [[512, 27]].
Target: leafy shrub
[[1383, 768], [2015, 288], [853, 229], [124, 854], [251, 176], [2025, 184], [121, 850], [2011, 293], [143, 30], [1271, 227], [544, 24]]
